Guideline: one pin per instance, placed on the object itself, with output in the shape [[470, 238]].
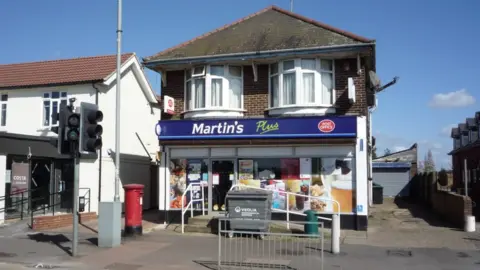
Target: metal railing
[[190, 188], [245, 249], [50, 208], [336, 226], [18, 199], [23, 203]]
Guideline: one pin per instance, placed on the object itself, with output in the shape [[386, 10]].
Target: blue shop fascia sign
[[259, 128]]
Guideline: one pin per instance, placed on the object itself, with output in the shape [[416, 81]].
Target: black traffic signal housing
[[67, 130], [90, 130]]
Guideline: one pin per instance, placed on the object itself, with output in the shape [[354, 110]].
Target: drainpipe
[[100, 152], [370, 153]]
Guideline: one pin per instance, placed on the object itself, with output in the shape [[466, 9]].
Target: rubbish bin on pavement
[[311, 225], [377, 197], [249, 210]]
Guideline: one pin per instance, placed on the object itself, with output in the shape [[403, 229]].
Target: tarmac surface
[[395, 240]]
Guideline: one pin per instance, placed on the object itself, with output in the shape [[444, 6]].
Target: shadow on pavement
[[56, 239], [417, 210]]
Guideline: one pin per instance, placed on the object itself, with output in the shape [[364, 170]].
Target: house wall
[[25, 112], [3, 170], [137, 117], [472, 156], [25, 107], [256, 93]]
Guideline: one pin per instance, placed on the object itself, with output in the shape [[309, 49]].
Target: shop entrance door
[[223, 177]]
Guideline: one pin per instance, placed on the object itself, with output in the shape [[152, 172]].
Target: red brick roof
[[64, 71]]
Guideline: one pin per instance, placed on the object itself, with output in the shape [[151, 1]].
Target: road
[[395, 240]]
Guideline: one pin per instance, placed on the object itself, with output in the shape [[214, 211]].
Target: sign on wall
[[168, 105], [305, 127], [20, 178]]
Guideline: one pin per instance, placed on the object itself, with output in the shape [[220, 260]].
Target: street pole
[[291, 5], [110, 213], [117, 103], [76, 175], [465, 176]]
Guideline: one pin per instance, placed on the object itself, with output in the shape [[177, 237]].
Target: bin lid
[[249, 192], [133, 186]]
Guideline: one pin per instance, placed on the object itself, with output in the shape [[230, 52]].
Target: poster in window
[[194, 176], [334, 183], [245, 173], [290, 174], [178, 182], [20, 178]]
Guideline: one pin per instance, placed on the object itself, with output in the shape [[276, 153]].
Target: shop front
[[324, 157]]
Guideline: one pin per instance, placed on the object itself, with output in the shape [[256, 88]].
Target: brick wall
[[256, 93], [59, 221], [451, 207]]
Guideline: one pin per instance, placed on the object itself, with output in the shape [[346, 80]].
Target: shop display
[[178, 182]]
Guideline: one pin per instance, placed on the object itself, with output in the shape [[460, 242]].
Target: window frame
[[301, 100], [208, 77], [3, 120], [47, 97]]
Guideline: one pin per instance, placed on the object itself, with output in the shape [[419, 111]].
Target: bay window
[[298, 82], [213, 87]]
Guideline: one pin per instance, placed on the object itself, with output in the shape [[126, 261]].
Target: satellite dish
[[374, 80]]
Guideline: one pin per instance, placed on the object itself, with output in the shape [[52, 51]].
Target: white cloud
[[447, 130], [460, 98]]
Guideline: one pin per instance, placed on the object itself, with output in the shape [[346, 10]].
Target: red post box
[[133, 209]]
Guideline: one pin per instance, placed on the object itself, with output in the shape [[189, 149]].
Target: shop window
[[324, 178], [184, 172]]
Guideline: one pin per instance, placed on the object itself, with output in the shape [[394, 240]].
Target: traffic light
[[68, 130], [90, 130]]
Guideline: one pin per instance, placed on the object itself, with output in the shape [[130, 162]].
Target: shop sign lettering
[[264, 126], [220, 128]]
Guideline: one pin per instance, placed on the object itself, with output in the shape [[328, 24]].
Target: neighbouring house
[[31, 93], [466, 159], [275, 101], [395, 171]]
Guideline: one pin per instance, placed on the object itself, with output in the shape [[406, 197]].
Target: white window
[[51, 105], [3, 115], [213, 87], [306, 81]]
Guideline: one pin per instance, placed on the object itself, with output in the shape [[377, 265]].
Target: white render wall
[[3, 170], [361, 166], [137, 116]]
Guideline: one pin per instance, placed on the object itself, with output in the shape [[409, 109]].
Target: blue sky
[[429, 44]]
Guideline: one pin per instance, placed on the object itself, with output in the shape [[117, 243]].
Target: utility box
[[249, 210], [133, 209]]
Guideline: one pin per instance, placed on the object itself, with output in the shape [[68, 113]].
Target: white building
[[31, 92]]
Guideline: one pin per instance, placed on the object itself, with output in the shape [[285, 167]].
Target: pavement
[[395, 240]]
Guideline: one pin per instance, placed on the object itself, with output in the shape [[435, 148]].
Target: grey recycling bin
[[249, 210]]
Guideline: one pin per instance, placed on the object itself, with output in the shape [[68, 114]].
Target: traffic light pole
[[110, 213], [76, 177]]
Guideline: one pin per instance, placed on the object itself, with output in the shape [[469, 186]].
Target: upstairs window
[[213, 87], [297, 82], [51, 105], [3, 105]]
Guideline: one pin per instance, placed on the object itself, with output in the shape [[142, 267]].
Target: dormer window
[[302, 82], [214, 87]]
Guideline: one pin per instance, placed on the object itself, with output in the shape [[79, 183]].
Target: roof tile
[[64, 71]]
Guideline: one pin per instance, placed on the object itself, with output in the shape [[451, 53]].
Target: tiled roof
[[65, 71], [270, 29], [407, 155]]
